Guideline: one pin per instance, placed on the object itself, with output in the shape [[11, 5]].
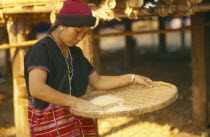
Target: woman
[[57, 73]]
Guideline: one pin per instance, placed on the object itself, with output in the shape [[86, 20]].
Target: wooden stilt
[[199, 73], [91, 50], [8, 62], [96, 51], [182, 34], [4, 39], [207, 44], [162, 37], [16, 32], [88, 49], [130, 46]]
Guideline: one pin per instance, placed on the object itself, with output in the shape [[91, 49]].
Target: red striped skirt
[[57, 121]]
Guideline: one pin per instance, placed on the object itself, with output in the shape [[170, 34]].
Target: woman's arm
[[110, 82], [40, 90]]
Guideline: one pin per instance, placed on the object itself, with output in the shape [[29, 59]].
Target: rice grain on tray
[[105, 100], [119, 108]]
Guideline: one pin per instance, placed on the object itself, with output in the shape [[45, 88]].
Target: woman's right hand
[[85, 105]]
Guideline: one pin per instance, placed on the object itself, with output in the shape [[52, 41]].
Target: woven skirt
[[57, 121]]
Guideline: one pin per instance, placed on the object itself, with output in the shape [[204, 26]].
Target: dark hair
[[56, 24]]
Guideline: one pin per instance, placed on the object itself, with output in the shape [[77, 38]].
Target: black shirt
[[45, 54]]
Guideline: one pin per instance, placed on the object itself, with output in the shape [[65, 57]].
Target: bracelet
[[132, 78]]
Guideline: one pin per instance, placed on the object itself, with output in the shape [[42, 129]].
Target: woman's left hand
[[138, 79]]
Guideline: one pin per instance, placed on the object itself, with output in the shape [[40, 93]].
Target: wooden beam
[[98, 36], [175, 10], [18, 45], [141, 32], [119, 10], [9, 4], [47, 8], [199, 73], [149, 32]]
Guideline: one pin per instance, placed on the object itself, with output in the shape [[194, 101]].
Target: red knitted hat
[[76, 13]]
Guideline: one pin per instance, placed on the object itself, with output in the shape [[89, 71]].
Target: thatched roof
[[106, 9]]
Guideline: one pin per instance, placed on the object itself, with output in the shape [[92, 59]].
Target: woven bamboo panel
[[141, 99]]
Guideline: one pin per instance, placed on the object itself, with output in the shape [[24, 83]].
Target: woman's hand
[[138, 79], [85, 105]]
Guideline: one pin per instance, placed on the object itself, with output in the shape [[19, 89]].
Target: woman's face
[[71, 36]]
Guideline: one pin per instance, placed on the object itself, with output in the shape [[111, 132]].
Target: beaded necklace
[[69, 62]]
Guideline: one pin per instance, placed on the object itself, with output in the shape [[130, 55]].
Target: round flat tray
[[140, 98]]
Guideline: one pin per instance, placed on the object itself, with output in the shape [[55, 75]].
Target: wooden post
[[207, 40], [8, 63], [182, 33], [87, 47], [207, 44], [162, 37], [199, 73], [4, 39], [90, 50], [130, 46], [16, 31], [96, 51]]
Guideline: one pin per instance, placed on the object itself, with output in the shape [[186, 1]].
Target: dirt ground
[[172, 121]]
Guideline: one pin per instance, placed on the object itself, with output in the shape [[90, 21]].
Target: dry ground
[[172, 121]]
